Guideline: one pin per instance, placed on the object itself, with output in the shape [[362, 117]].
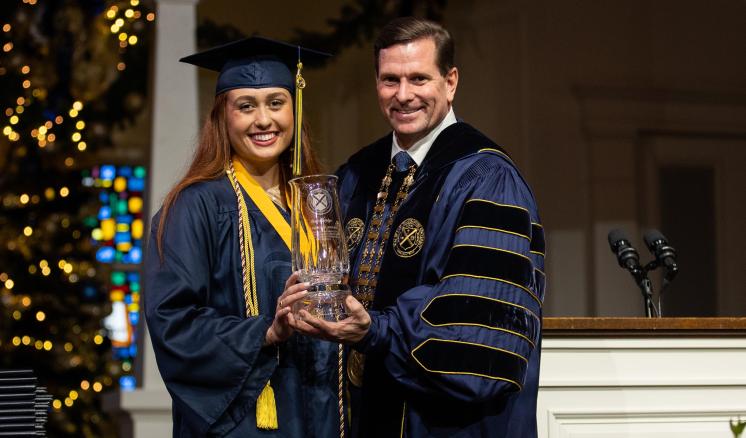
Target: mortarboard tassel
[[300, 84], [266, 409]]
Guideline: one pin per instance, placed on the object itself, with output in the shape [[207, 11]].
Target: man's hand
[[347, 331]]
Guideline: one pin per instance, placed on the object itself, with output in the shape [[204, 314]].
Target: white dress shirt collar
[[419, 149]]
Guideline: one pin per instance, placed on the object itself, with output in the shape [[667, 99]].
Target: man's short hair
[[406, 29]]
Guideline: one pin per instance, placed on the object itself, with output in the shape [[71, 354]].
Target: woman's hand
[[280, 329]]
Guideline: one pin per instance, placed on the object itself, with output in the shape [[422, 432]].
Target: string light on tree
[[41, 67]]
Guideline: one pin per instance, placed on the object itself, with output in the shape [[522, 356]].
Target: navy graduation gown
[[454, 344], [209, 354]]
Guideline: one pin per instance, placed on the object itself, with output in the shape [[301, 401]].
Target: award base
[[324, 301]]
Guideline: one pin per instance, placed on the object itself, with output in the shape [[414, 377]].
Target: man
[[448, 256]]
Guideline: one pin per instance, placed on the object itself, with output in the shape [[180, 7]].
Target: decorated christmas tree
[[72, 74]]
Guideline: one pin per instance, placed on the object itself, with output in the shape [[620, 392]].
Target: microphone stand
[[646, 287]]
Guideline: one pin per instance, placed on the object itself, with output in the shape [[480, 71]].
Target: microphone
[[626, 255], [663, 252]]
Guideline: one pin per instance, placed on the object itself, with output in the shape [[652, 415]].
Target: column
[[174, 133]]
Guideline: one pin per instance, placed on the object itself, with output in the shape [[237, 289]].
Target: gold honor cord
[[300, 84], [266, 409]]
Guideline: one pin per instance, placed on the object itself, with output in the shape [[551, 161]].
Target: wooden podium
[[641, 377]]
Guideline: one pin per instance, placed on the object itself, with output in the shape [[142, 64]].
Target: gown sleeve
[[472, 335], [210, 357]]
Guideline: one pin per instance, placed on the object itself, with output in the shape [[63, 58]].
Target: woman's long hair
[[213, 154]]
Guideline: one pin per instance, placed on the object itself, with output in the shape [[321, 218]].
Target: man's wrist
[[360, 336], [368, 340]]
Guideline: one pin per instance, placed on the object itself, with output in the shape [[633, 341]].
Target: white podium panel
[[641, 387]]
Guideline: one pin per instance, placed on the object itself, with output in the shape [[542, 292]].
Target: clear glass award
[[319, 246]]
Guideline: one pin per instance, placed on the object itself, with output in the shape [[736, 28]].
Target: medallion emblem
[[355, 368], [409, 238], [320, 201], [354, 231]]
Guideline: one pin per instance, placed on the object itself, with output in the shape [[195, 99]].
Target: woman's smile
[[264, 138]]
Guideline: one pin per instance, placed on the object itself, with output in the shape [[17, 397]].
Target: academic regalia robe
[[209, 354], [454, 344]]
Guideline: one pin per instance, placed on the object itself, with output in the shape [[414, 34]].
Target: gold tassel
[[300, 84], [266, 410]]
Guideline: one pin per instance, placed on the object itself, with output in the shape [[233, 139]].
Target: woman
[[217, 297]]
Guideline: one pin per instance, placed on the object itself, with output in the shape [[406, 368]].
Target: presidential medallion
[[354, 231], [409, 238], [355, 367]]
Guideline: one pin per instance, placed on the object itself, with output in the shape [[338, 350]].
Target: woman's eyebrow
[[245, 97]]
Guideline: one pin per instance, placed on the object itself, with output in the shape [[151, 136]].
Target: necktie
[[402, 161]]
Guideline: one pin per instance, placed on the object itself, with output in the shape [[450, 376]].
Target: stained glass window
[[117, 231]]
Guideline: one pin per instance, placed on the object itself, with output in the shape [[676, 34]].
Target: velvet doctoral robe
[[209, 354], [455, 340]]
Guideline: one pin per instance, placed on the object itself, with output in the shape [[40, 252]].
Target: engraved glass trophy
[[319, 246]]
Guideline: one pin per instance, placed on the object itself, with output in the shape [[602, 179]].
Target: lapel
[[454, 143]]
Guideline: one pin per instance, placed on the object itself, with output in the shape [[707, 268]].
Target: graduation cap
[[255, 62], [258, 62]]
